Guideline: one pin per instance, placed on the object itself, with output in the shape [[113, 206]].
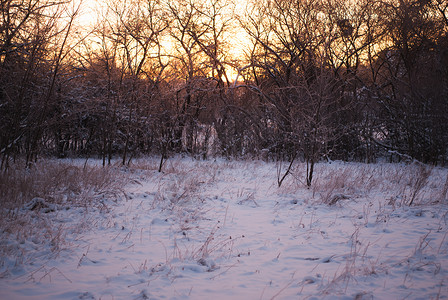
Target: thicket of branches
[[326, 79]]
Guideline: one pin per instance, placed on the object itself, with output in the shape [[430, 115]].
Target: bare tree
[[133, 33], [34, 45], [319, 80], [410, 105], [290, 66], [199, 61]]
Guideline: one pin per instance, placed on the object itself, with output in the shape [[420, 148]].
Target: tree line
[[312, 80]]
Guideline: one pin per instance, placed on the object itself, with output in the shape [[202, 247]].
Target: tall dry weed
[[444, 193], [29, 196], [335, 183], [409, 184], [56, 182], [418, 180]]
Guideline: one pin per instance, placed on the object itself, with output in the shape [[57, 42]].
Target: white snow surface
[[223, 229]]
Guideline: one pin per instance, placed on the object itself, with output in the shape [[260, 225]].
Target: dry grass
[[57, 182], [180, 189], [30, 201], [410, 184], [181, 181]]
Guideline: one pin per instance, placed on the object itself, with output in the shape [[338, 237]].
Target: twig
[[225, 271]]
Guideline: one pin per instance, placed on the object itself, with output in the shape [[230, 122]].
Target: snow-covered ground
[[225, 230]]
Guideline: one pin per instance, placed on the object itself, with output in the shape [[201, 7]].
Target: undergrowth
[[31, 198], [404, 184], [57, 182]]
